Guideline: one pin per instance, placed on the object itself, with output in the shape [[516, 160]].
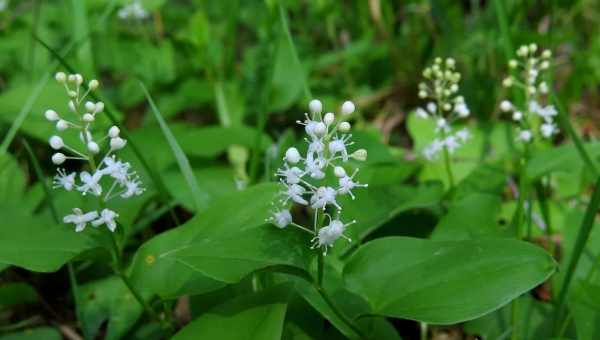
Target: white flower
[[506, 106], [329, 234], [62, 180], [58, 158], [56, 142], [517, 116], [347, 108], [462, 110], [338, 145], [80, 219], [548, 113], [116, 169], [294, 192], [463, 135], [135, 10], [51, 115], [107, 217], [90, 183], [113, 132], [324, 196], [132, 188], [347, 184], [292, 155], [281, 218], [525, 135], [421, 113], [451, 143], [430, 152], [117, 143], [548, 129], [292, 175], [344, 127], [431, 107], [315, 106], [441, 125]]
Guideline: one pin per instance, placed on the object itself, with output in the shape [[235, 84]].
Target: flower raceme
[[444, 106], [533, 118], [123, 181], [304, 176]]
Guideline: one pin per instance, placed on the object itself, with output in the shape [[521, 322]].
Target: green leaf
[[12, 180], [37, 244], [108, 300], [564, 158], [473, 216], [15, 294], [199, 198], [256, 316], [584, 304], [222, 244], [444, 282], [45, 333]]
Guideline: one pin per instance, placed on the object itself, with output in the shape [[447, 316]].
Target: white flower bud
[[422, 94], [348, 108], [320, 129], [532, 48], [545, 65], [292, 155], [72, 106], [339, 172], [344, 127], [51, 115], [517, 116], [507, 82], [506, 106], [546, 54], [315, 106], [447, 106], [88, 118], [62, 125], [71, 78], [72, 94], [113, 132], [329, 118], [78, 79], [450, 62], [543, 87], [99, 106], [56, 142], [454, 88], [531, 89], [513, 63], [360, 155], [93, 84], [93, 147], [117, 143], [60, 77], [58, 158], [90, 106]]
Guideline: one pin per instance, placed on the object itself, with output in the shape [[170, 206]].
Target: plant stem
[[582, 237], [337, 312], [514, 312], [448, 168], [423, 327], [320, 268]]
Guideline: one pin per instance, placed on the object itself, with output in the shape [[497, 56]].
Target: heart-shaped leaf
[[444, 282]]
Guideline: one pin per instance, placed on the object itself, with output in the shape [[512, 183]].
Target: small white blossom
[[62, 180], [327, 235], [506, 106], [134, 10], [281, 218], [80, 219], [347, 183], [107, 217], [548, 130], [525, 135], [421, 113], [348, 108], [90, 183]]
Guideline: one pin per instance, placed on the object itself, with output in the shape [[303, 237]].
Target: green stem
[[424, 329], [514, 312], [448, 168], [582, 237], [337, 312], [320, 268]]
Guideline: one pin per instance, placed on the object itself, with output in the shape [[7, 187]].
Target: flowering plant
[[304, 177], [122, 181]]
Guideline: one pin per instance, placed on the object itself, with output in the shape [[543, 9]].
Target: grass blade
[[582, 237], [200, 198]]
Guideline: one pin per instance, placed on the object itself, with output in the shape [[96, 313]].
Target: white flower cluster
[[125, 182], [445, 106], [530, 67], [134, 10], [304, 177]]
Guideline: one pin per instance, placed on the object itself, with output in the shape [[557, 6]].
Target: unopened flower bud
[[88, 118], [93, 84], [339, 172], [78, 79], [447, 106], [507, 82], [360, 155], [292, 155], [56, 142], [58, 158], [72, 106], [117, 143], [505, 106], [348, 108], [315, 106], [532, 48], [62, 125], [60, 77], [51, 115], [517, 115], [344, 127], [99, 107], [90, 106], [450, 62], [113, 132], [422, 94], [546, 54], [93, 147], [72, 94], [329, 118], [513, 63]]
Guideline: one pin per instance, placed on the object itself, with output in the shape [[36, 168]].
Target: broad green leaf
[[564, 158], [256, 316], [15, 294], [288, 78], [222, 244], [379, 204], [471, 217], [108, 300], [12, 181], [444, 282], [37, 244], [45, 333], [485, 179], [584, 305]]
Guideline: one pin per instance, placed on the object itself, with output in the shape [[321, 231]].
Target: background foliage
[[229, 79]]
